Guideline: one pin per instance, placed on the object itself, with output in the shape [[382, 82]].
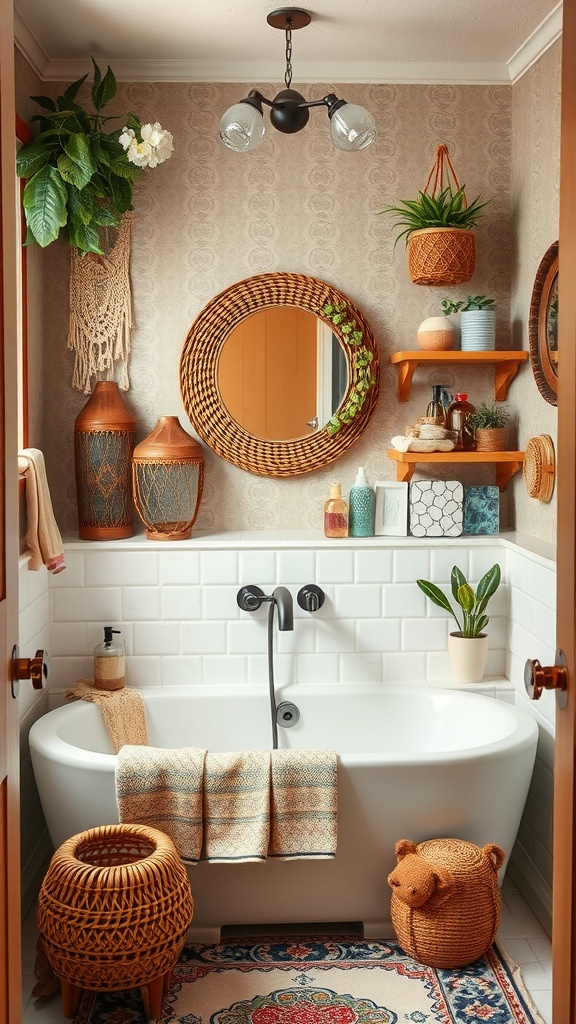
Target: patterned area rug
[[335, 980]]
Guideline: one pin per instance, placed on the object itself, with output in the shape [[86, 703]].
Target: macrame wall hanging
[[101, 312]]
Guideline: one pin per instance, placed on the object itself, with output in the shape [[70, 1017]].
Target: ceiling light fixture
[[242, 126]]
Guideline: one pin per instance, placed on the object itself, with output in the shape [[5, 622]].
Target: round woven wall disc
[[540, 467]]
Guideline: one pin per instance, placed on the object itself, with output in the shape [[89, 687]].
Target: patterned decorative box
[[481, 510], [436, 508]]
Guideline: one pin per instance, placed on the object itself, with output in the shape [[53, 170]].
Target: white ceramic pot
[[468, 657], [478, 330], [437, 334]]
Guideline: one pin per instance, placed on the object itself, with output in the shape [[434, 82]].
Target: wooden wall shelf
[[507, 463], [506, 366]]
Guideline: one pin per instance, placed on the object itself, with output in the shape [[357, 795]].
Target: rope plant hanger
[[444, 255], [437, 227], [101, 311]]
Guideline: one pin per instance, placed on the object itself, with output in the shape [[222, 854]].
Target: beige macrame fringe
[[101, 311]]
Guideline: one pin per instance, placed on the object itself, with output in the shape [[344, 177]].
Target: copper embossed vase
[[167, 481], [103, 445]]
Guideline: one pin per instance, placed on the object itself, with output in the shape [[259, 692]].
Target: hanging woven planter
[[437, 227], [442, 255]]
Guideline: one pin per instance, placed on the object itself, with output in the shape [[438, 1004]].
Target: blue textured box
[[481, 509]]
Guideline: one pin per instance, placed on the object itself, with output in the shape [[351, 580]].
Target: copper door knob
[[35, 669], [538, 678]]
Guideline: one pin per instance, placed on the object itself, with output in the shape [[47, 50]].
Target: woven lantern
[[167, 481], [103, 444]]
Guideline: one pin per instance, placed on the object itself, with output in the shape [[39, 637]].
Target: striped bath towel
[[163, 789], [236, 806], [303, 804]]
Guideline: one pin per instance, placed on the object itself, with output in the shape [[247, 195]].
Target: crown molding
[[536, 45], [256, 72], [30, 47]]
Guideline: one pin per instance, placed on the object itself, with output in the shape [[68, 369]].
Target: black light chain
[[288, 72]]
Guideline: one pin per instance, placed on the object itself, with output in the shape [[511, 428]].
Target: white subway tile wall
[[181, 623]]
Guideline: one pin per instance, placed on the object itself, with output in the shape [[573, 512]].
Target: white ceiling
[[230, 40]]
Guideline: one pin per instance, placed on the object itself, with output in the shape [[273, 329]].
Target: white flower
[[126, 137], [156, 145]]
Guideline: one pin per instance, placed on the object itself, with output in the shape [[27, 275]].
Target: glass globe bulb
[[241, 127], [352, 127]]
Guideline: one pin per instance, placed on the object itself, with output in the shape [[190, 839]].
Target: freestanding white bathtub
[[414, 763]]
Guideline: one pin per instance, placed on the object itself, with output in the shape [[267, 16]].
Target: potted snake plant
[[437, 227], [468, 645]]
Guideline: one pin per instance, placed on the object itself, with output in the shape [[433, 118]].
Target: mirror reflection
[[282, 373], [552, 325]]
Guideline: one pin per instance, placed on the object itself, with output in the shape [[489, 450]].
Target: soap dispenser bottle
[[335, 514], [362, 506], [109, 662], [458, 420]]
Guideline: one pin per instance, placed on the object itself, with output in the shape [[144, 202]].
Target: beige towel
[[303, 804], [123, 711], [43, 536], [237, 806], [163, 789]]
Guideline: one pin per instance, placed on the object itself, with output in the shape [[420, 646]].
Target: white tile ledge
[[540, 551]]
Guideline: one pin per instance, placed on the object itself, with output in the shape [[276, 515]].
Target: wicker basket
[[490, 439], [448, 918], [114, 909], [441, 256]]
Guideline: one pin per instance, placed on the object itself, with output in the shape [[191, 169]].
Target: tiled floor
[[520, 934]]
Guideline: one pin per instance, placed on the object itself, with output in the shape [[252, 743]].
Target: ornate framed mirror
[[279, 374], [543, 326]]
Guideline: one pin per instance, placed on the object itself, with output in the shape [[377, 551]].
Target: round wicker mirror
[[543, 326], [199, 380]]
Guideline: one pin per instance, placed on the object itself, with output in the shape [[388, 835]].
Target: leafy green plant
[[473, 603], [80, 176], [361, 358], [446, 210], [466, 306], [489, 416]]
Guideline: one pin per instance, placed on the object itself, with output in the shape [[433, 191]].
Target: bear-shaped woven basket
[[445, 900]]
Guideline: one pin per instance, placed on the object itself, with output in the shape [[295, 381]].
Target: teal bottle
[[361, 507]]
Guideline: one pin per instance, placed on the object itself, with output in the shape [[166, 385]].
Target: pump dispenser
[[361, 506], [109, 662]]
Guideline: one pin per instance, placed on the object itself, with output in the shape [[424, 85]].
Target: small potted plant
[[477, 322], [437, 228], [489, 423], [468, 646]]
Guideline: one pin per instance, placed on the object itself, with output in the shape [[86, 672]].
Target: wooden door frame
[[10, 912], [564, 869]]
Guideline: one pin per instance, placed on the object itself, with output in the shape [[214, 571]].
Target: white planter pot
[[478, 330], [468, 657]]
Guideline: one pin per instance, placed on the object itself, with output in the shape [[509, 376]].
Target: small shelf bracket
[[506, 366]]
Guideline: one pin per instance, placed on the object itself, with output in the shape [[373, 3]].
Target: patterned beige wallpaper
[[535, 202], [208, 218]]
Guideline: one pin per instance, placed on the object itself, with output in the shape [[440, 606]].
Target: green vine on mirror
[[361, 357], [80, 176]]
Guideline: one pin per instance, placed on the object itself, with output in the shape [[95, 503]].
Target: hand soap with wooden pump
[[109, 662]]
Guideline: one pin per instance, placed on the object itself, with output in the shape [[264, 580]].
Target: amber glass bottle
[[458, 420], [335, 514]]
